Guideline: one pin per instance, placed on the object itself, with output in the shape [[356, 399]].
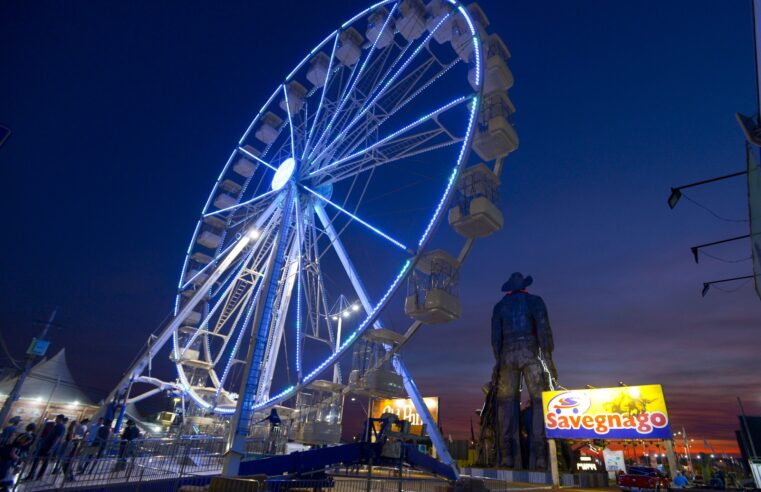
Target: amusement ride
[[321, 223]]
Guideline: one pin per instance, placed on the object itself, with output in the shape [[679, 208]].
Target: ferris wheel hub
[[283, 173]]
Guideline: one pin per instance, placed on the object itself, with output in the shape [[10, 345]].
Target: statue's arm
[[543, 329], [496, 332]]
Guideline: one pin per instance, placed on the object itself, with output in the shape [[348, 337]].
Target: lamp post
[[341, 309]]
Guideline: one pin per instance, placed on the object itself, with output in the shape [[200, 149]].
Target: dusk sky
[[123, 114]]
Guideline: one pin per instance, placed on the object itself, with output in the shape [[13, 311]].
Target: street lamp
[[676, 193], [341, 309]]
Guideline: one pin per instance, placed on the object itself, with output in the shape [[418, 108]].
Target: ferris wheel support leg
[[425, 415], [244, 409], [401, 368]]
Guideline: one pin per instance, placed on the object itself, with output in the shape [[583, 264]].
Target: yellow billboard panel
[[628, 412], [405, 410]]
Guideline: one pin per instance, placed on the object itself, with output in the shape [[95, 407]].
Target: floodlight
[[674, 197]]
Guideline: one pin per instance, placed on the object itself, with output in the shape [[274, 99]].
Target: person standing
[[98, 439], [126, 446], [25, 440], [78, 436], [63, 447], [48, 445], [10, 430], [680, 481]]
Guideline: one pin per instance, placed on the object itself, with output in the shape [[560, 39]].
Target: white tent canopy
[[49, 380]]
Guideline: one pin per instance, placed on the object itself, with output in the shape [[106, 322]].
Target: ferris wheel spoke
[[420, 121], [290, 121], [385, 87], [342, 91], [316, 117], [413, 147], [358, 219], [257, 159], [362, 108], [354, 80], [242, 204], [371, 125], [313, 286]]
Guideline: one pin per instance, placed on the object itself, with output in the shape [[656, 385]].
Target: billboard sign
[[629, 412], [405, 410]]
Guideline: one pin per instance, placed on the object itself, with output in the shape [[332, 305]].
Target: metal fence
[[129, 462], [188, 465]]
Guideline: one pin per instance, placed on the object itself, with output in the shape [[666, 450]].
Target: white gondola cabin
[[437, 11], [223, 200], [369, 374], [495, 135], [317, 420], [411, 21], [244, 166], [195, 277], [462, 37], [497, 75], [269, 128], [432, 289], [475, 212], [296, 93], [318, 69], [375, 28], [209, 239], [349, 47]]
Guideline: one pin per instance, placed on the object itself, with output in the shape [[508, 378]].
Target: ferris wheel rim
[[407, 266]]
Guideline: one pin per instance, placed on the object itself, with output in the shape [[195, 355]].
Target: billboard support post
[[553, 450], [669, 445]]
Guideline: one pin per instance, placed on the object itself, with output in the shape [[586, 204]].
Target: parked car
[[642, 479]]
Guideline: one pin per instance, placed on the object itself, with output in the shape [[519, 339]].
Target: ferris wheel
[[329, 201]]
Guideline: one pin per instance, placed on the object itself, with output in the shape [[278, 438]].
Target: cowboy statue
[[522, 341]]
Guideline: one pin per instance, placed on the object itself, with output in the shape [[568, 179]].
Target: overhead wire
[[724, 260], [716, 215]]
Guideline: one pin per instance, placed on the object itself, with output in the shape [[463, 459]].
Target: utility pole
[[37, 348]]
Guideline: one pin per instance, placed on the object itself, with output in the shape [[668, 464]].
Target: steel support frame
[[409, 384], [262, 321]]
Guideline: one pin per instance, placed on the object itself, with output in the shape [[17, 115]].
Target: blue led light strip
[[366, 224], [299, 232], [257, 159], [290, 121]]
